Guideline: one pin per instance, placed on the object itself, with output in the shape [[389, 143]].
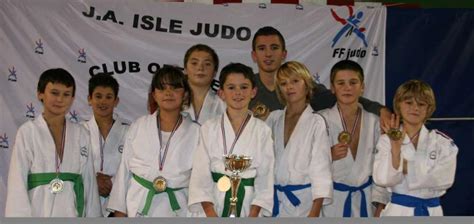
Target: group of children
[[333, 162]]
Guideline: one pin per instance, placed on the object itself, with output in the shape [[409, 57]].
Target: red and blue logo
[[350, 25]]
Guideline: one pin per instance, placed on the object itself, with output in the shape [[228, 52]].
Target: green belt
[[38, 179], [240, 193], [151, 193]]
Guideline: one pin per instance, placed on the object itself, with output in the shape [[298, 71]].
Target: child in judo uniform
[[153, 177], [416, 164], [51, 170], [302, 153], [353, 134], [107, 133], [236, 132]]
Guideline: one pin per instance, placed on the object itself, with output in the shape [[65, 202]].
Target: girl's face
[[237, 91], [293, 89], [200, 69], [169, 98], [57, 99], [413, 112], [347, 87], [103, 101]]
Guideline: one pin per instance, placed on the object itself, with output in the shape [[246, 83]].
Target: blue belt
[[288, 190], [421, 205], [348, 202]]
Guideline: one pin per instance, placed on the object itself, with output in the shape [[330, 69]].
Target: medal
[[344, 137], [56, 186], [159, 184], [394, 134], [223, 184], [260, 110]]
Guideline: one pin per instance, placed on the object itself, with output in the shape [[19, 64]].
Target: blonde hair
[[294, 68], [420, 91]]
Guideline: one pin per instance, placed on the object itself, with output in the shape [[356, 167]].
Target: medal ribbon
[[58, 160], [413, 138], [355, 122], [163, 154], [237, 136]]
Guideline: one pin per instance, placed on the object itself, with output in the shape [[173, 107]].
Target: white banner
[[132, 39]]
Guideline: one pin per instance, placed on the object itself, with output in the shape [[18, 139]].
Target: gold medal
[[223, 184], [394, 134], [56, 186], [344, 137], [260, 110], [159, 184]]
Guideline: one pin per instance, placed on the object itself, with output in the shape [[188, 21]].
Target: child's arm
[[208, 208], [201, 185], [385, 173], [378, 209], [380, 197], [117, 199], [320, 166], [263, 195], [254, 211], [316, 208], [18, 201], [91, 192]]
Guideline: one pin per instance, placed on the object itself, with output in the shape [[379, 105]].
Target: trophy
[[236, 164]]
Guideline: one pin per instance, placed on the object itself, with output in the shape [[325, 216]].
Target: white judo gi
[[303, 167], [354, 172], [431, 168], [140, 160], [213, 106], [112, 150], [256, 142], [34, 152]]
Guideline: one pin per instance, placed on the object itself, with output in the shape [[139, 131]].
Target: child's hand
[[392, 129], [104, 182], [339, 151]]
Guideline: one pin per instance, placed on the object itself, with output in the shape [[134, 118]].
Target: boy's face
[[237, 91], [413, 112], [347, 87], [169, 98], [57, 99], [103, 101], [293, 88], [268, 53], [200, 69]]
